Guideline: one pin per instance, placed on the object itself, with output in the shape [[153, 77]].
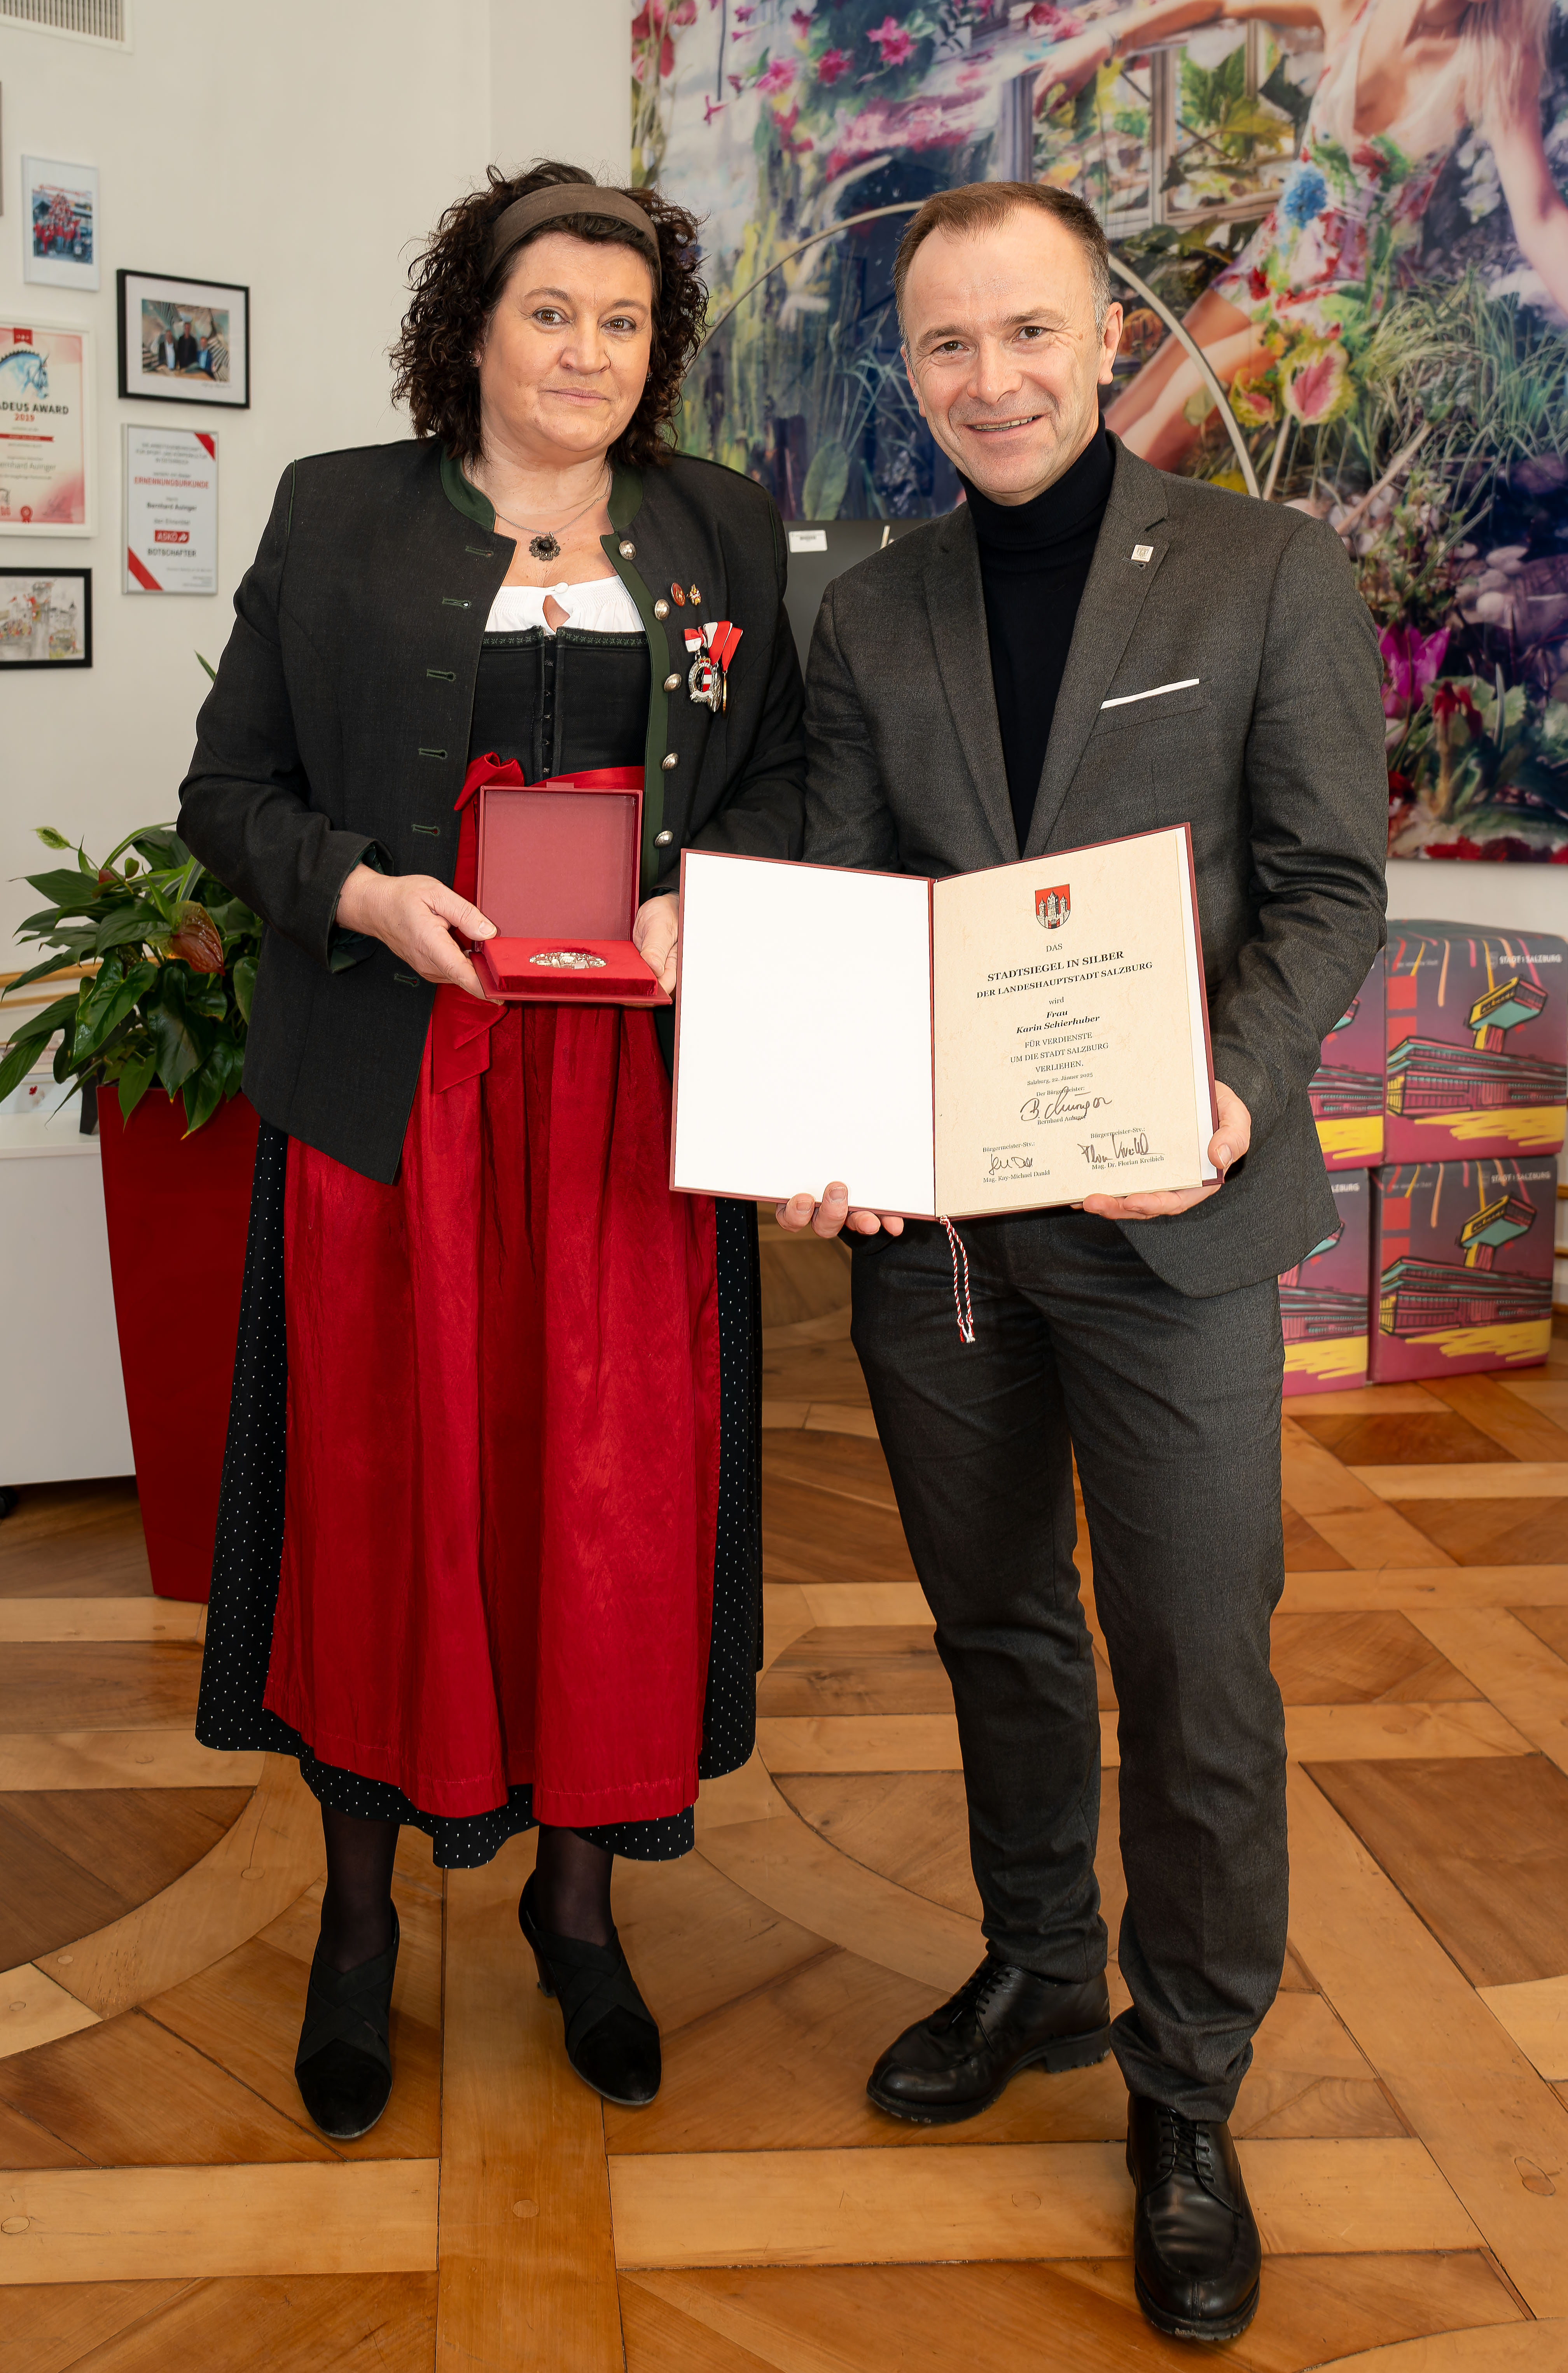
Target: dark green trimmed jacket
[[338, 726]]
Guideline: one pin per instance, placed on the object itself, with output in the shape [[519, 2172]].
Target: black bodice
[[561, 704]]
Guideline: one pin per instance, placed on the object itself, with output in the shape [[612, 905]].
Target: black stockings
[[571, 1888], [356, 1907]]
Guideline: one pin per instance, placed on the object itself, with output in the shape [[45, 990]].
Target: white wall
[[1500, 897], [303, 148], [560, 83]]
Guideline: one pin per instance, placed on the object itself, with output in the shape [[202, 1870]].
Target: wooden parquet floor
[[166, 2204]]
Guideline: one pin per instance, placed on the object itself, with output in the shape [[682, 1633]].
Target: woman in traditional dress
[[1402, 81], [488, 1552]]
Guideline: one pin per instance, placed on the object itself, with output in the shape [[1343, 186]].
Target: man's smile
[[999, 427]]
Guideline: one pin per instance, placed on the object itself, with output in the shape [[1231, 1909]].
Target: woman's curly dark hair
[[456, 292]]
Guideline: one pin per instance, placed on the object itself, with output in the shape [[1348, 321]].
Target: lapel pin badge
[[1142, 554], [677, 596]]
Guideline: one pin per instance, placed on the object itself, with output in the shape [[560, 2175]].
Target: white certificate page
[[803, 1033], [1071, 1046]]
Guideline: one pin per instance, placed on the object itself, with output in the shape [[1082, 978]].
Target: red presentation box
[[1478, 1043], [1325, 1300], [1347, 1087], [1462, 1267], [559, 879]]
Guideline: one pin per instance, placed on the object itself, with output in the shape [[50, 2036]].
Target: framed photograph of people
[[60, 226], [183, 341], [45, 430], [46, 617]]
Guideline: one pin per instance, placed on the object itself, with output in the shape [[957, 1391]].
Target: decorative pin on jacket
[[713, 646]]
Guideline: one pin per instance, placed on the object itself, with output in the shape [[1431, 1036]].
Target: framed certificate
[[170, 509], [183, 341], [996, 1042], [45, 430]]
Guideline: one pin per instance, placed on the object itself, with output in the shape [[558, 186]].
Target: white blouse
[[604, 607]]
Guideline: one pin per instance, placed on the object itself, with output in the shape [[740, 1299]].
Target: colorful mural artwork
[[1344, 259]]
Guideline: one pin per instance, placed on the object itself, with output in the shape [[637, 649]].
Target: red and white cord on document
[[961, 1301]]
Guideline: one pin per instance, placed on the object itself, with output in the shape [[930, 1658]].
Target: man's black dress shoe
[[956, 2063], [611, 2036], [343, 2064], [1197, 2257]]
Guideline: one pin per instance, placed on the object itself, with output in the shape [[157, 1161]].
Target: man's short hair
[[980, 206]]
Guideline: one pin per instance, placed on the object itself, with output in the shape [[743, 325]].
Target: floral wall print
[[1362, 232]]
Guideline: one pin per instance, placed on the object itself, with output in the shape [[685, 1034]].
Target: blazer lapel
[[1107, 614], [957, 604]]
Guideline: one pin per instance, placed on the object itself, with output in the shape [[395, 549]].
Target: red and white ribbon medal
[[712, 647]]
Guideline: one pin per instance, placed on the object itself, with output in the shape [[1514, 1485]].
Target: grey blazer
[[1274, 755]]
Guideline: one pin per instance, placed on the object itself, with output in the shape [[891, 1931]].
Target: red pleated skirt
[[503, 1435]]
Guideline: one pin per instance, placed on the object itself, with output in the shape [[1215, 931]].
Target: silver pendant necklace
[[545, 546]]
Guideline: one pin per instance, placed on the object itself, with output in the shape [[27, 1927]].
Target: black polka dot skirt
[[231, 1716]]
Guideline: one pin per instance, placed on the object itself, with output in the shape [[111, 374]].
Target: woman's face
[[565, 359]]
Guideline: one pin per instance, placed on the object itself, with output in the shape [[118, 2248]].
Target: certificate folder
[[559, 879], [995, 1042]]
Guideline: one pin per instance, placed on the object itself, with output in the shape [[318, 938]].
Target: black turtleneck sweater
[[1034, 561]]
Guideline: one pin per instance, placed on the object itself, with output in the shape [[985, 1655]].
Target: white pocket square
[[1183, 683]]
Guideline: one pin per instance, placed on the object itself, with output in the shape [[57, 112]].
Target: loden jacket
[[338, 728]]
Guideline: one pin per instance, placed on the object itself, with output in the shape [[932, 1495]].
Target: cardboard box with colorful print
[[1325, 1300], [1478, 1043], [1347, 1087], [1462, 1257]]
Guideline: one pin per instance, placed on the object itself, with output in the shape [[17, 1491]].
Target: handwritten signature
[[1012, 1161], [1059, 1104], [1126, 1144]]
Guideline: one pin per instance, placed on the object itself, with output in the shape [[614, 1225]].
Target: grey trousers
[[1171, 1406]]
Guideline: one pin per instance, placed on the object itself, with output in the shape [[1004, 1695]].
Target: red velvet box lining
[[558, 871]]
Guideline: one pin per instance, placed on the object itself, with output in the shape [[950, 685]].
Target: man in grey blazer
[[1088, 648]]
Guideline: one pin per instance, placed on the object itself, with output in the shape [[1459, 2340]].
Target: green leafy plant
[[175, 969]]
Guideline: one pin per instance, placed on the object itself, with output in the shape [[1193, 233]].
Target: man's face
[[1002, 351]]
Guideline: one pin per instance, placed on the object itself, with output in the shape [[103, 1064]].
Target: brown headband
[[525, 215]]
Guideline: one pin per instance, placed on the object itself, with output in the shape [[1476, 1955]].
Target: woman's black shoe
[[343, 2064], [611, 2036], [1195, 2252], [1003, 2018]]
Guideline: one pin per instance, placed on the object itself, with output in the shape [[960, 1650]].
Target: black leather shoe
[[1197, 2257], [343, 2064], [611, 2036], [956, 2063]]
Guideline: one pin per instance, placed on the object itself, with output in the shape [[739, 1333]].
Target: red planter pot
[[177, 1209]]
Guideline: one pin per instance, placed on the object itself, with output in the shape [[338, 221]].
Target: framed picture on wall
[[60, 226], [171, 509], [46, 443], [183, 341], [46, 617]]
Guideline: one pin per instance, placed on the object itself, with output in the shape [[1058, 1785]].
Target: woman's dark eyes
[[551, 319]]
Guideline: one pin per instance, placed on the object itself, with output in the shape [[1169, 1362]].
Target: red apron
[[503, 1429]]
